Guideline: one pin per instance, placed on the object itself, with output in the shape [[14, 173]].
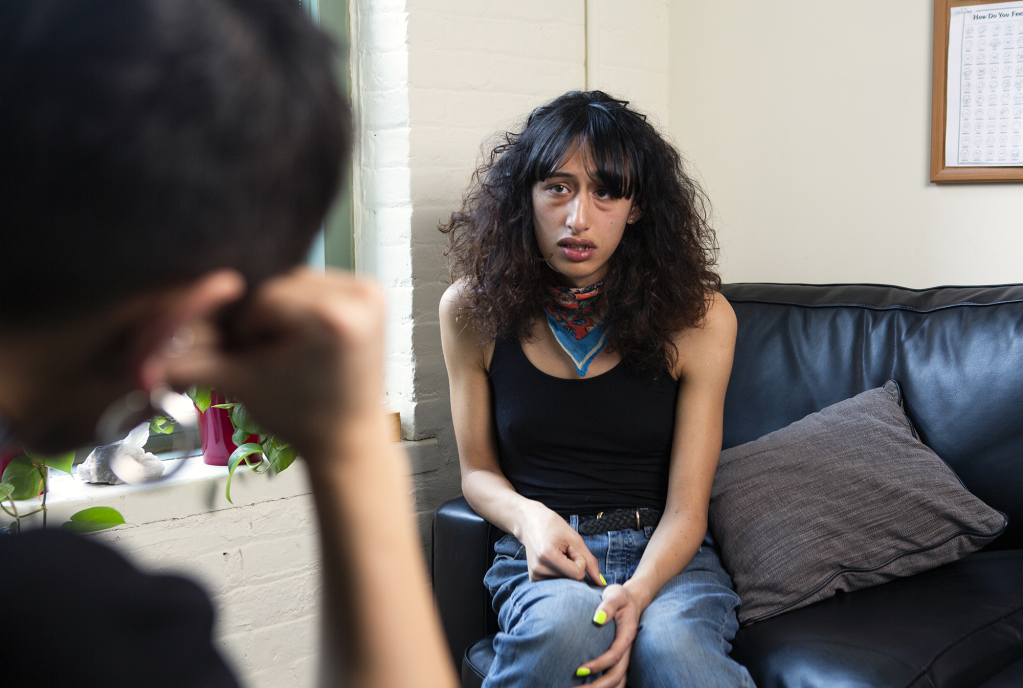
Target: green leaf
[[237, 456], [161, 425], [92, 519], [243, 421], [200, 396], [5, 490], [25, 476], [239, 437], [225, 406], [61, 462], [280, 454]]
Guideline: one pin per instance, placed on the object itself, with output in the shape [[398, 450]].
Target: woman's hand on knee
[[555, 550], [617, 605]]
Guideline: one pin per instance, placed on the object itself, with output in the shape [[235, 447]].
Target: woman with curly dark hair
[[588, 353]]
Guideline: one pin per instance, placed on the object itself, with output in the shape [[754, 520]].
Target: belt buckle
[[638, 526]]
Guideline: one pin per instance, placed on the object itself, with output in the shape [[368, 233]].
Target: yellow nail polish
[[600, 618], [582, 671], [602, 581]]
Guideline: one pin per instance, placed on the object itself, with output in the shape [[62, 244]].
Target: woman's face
[[578, 225]]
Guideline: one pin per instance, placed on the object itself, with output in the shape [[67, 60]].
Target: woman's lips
[[577, 252]]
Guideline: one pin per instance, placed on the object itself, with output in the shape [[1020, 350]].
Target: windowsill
[[195, 489]]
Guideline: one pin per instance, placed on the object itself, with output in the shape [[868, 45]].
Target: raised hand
[[305, 355]]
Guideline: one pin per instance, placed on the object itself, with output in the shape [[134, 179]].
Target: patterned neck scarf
[[574, 316]]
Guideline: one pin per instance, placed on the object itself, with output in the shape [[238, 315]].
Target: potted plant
[[217, 427], [230, 437], [24, 476]]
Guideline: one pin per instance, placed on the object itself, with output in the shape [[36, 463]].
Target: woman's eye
[[557, 188]]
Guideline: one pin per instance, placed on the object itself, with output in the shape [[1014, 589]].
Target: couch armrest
[[462, 550]]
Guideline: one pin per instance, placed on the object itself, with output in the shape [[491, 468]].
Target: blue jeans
[[547, 628]]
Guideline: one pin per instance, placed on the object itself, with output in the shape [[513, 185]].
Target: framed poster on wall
[[977, 91]]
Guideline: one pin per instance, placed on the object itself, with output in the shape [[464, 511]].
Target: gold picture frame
[[940, 173]]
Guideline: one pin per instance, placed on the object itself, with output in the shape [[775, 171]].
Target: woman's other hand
[[619, 606], [555, 550]]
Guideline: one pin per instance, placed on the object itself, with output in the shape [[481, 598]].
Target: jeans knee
[[685, 655], [564, 616], [548, 634]]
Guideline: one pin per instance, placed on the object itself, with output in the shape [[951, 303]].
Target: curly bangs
[[662, 273]]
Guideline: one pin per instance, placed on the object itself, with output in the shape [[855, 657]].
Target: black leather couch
[[957, 352]]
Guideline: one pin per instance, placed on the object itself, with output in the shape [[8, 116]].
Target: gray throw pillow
[[843, 499]]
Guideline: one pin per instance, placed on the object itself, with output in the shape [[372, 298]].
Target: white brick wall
[[260, 566], [381, 181], [631, 43]]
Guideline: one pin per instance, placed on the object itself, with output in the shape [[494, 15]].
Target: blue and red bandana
[[575, 316]]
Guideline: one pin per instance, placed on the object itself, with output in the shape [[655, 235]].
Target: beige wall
[[811, 130]]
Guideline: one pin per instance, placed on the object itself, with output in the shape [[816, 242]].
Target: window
[[335, 246]]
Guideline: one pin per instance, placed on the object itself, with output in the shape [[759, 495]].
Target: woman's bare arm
[[704, 368], [553, 549]]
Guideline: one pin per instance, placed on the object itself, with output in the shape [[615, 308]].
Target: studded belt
[[618, 519]]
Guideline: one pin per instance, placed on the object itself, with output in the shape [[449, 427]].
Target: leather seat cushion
[[476, 663], [958, 626], [1009, 677]]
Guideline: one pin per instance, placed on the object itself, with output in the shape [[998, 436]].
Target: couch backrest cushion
[[957, 353]]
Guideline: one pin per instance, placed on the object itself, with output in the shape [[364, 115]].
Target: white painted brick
[[520, 11], [638, 17], [388, 186], [383, 31], [431, 274], [259, 564], [496, 73], [395, 265], [390, 146], [386, 109], [393, 225], [489, 111], [384, 70], [434, 147], [399, 303], [382, 6], [556, 41], [436, 185]]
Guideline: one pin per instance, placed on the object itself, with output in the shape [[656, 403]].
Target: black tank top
[[582, 446]]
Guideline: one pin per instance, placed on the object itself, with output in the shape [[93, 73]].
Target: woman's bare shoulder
[[712, 337], [460, 339], [453, 316], [720, 318], [453, 298]]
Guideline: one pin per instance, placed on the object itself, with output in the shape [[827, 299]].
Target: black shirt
[[582, 446]]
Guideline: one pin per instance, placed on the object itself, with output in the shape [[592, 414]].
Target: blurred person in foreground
[[166, 163]]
